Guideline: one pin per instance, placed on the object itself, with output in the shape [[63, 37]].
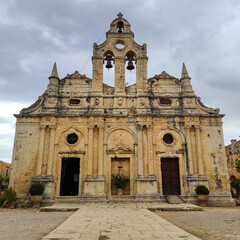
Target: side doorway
[[170, 176], [70, 177]]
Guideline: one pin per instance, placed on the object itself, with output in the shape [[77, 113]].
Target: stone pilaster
[[140, 151], [119, 75], [190, 161], [150, 153], [97, 77], [141, 71], [40, 150], [51, 150], [90, 151], [199, 151], [100, 151], [94, 187]]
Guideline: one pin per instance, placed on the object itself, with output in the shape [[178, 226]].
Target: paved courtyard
[[117, 221]]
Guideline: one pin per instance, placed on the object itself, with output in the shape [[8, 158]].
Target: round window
[[168, 138], [120, 44], [72, 138]]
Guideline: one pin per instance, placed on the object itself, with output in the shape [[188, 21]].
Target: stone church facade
[[156, 131]]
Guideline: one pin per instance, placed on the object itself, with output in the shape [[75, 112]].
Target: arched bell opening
[[120, 27], [109, 68], [130, 64]]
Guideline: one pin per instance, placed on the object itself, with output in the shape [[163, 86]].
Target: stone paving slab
[[117, 221], [63, 207]]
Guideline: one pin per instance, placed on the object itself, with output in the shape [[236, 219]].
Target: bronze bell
[[130, 65], [109, 58], [120, 27], [109, 65], [120, 30]]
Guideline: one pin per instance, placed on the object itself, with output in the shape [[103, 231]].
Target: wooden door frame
[[176, 160], [182, 170], [61, 178], [109, 169]]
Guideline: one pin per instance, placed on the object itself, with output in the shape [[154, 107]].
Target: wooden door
[[170, 176]]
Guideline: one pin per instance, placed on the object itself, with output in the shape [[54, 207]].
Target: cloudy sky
[[34, 34]]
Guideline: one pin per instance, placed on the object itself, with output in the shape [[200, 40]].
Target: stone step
[[63, 207], [123, 198], [173, 199], [68, 199]]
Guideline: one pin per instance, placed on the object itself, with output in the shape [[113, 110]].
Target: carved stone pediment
[[163, 75], [120, 148], [76, 74]]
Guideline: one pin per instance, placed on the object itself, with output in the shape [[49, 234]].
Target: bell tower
[[119, 49]]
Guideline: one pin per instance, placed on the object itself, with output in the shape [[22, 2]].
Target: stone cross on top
[[120, 15]]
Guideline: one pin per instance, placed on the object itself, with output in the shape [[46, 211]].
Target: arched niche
[[120, 140], [64, 145], [177, 139]]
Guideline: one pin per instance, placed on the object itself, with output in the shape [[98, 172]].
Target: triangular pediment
[[163, 75]]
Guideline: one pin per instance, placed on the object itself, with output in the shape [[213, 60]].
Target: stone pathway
[[117, 221]]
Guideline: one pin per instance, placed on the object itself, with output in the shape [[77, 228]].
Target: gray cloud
[[203, 34]]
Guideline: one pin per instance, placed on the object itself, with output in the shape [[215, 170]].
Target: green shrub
[[2, 200], [201, 189], [236, 184], [36, 189], [120, 181], [237, 165], [6, 179], [3, 187], [10, 195]]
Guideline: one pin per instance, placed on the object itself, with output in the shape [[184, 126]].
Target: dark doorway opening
[[70, 177], [170, 176]]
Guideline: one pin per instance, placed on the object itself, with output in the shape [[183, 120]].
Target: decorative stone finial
[[184, 72], [54, 73], [120, 15]]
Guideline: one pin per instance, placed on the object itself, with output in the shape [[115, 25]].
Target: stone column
[[119, 74], [190, 161], [97, 78], [90, 150], [51, 150], [40, 150], [199, 151], [141, 74], [140, 151], [100, 151], [150, 154]]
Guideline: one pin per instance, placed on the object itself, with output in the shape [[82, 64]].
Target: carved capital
[[42, 127], [149, 128], [139, 127], [90, 127], [101, 127], [197, 127]]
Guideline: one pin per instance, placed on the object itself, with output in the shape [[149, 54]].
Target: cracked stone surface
[[117, 221]]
